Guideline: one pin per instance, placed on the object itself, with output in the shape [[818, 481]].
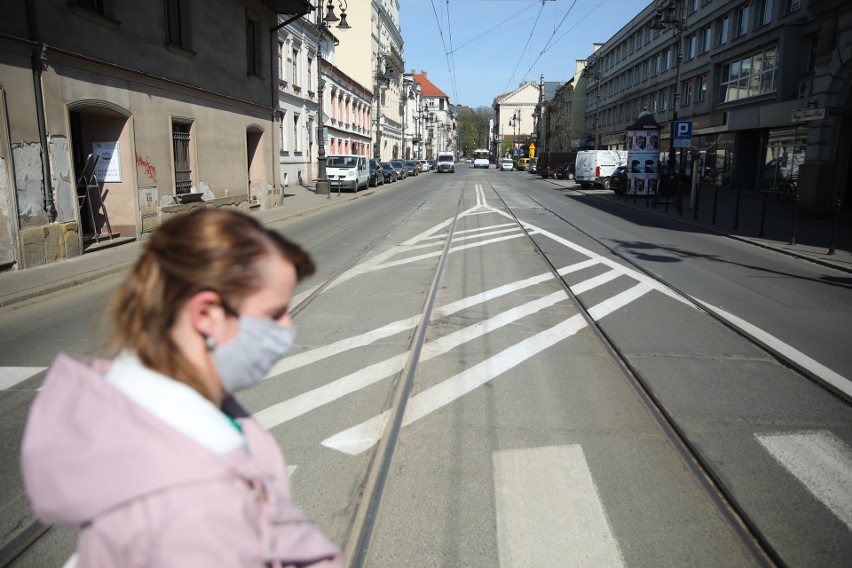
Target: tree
[[473, 128]]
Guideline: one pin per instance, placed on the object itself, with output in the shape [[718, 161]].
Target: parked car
[[548, 162], [532, 166], [411, 168], [521, 164], [618, 180], [506, 165], [389, 172], [431, 164], [594, 167], [348, 172], [424, 165], [565, 171], [399, 166], [376, 176]]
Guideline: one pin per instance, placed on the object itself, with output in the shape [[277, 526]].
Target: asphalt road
[[523, 441]]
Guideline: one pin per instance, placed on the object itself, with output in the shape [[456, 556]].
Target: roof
[[427, 87], [550, 88]]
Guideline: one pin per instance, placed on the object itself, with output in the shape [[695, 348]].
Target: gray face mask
[[259, 344]]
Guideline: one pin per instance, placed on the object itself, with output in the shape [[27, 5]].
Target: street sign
[[806, 114], [683, 133]]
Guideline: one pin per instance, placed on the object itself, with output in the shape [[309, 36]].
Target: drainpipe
[[38, 61]]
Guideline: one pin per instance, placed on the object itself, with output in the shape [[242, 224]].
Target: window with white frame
[[701, 87], [688, 91], [283, 129], [792, 6], [297, 147], [749, 76], [294, 64], [281, 69]]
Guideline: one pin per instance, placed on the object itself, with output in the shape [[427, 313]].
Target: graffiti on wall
[[147, 167]]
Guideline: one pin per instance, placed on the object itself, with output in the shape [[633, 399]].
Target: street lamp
[[672, 16], [323, 25]]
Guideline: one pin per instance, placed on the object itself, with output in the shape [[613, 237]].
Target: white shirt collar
[[178, 405]]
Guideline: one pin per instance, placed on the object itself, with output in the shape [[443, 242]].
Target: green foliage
[[473, 128]]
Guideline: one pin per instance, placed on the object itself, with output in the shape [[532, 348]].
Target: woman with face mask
[[148, 452]]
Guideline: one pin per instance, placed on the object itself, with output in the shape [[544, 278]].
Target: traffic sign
[[682, 133]]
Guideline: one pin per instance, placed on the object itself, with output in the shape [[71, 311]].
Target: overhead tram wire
[[451, 59], [547, 45], [577, 23], [491, 29], [443, 41], [524, 50]]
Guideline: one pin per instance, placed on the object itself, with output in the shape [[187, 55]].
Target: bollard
[[715, 203], [834, 230], [795, 217], [763, 214], [737, 211], [697, 198]]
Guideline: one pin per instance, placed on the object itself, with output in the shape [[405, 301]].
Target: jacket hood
[[87, 447]]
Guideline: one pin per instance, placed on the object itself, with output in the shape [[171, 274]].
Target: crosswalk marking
[[549, 512], [821, 462]]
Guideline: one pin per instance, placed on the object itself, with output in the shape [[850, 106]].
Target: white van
[[446, 162], [348, 172], [594, 167]]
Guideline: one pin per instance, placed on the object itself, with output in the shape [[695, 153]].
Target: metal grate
[[183, 172]]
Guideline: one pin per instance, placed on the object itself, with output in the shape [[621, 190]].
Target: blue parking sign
[[682, 133]]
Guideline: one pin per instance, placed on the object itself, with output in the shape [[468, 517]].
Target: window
[[791, 6], [691, 46], [295, 67], [693, 6], [688, 92], [282, 71], [749, 76], [310, 73], [180, 148], [705, 39], [764, 13], [296, 138], [742, 20], [253, 43], [283, 130], [701, 88], [664, 99], [96, 6], [177, 23], [723, 31]]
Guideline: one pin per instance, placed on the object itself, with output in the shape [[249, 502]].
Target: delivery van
[[348, 172], [594, 167]]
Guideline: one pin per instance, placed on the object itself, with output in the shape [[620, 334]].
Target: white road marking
[[833, 378], [821, 462], [282, 412], [363, 436], [11, 376], [549, 512]]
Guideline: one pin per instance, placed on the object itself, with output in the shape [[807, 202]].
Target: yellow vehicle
[[523, 163]]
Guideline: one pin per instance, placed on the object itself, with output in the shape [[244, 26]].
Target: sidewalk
[[20, 285], [813, 236]]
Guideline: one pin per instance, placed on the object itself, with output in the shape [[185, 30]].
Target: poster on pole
[[643, 150], [109, 161]]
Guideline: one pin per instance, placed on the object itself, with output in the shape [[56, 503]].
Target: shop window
[[785, 153]]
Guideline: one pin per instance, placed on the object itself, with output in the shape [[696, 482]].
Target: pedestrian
[[148, 452]]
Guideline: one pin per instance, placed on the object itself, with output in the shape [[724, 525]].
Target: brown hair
[[208, 249]]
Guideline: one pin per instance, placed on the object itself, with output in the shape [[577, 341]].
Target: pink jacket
[[147, 495]]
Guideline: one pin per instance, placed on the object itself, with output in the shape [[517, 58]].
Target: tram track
[[754, 540]]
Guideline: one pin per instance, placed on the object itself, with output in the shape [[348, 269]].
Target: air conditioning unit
[[805, 89]]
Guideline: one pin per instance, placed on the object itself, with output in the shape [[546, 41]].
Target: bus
[[481, 158]]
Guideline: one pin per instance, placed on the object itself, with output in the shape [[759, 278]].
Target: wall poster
[[109, 162], [643, 151]]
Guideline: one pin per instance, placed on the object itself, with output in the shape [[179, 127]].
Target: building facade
[[763, 82], [514, 119], [438, 119], [180, 111]]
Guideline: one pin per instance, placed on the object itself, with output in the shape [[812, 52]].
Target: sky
[[486, 48]]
